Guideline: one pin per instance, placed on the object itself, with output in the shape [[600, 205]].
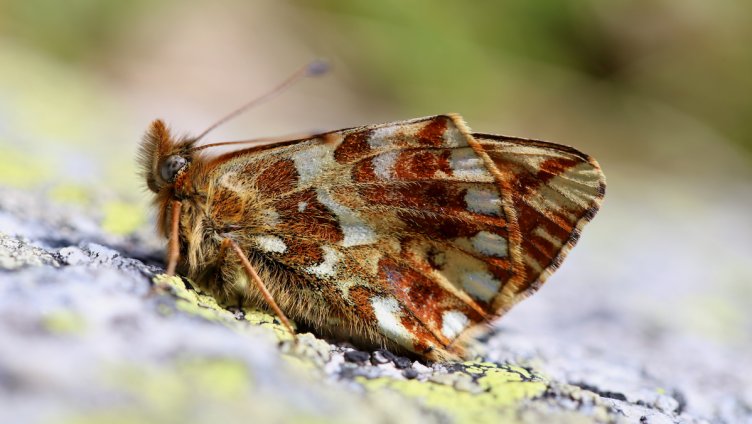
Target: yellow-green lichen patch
[[221, 379], [180, 393], [122, 218], [70, 193], [480, 392], [225, 379], [266, 320], [22, 170], [307, 351], [196, 302], [193, 301], [304, 351], [64, 322]]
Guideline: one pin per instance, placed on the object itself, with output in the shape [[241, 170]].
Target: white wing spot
[[354, 229], [271, 244], [484, 201], [490, 244], [230, 181], [383, 164], [467, 165], [344, 287], [327, 268], [387, 311], [453, 137], [311, 161], [480, 285], [302, 206], [381, 137], [452, 323], [270, 217]]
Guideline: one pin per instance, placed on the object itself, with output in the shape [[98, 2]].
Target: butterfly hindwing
[[551, 192]]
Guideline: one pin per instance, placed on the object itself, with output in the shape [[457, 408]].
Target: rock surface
[[91, 331]]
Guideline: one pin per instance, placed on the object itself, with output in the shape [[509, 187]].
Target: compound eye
[[171, 167]]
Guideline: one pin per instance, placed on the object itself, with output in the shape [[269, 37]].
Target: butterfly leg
[[253, 275], [173, 249]]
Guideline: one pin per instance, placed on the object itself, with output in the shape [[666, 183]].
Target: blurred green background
[[652, 83], [659, 91]]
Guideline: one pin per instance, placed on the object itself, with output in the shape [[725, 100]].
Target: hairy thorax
[[225, 207]]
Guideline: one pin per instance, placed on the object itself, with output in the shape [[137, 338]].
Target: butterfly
[[409, 235]]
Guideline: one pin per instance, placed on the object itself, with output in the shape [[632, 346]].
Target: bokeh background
[[659, 91]]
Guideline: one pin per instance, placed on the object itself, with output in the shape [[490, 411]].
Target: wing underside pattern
[[419, 226]]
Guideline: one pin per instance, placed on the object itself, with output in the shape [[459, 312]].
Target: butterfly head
[[162, 157]]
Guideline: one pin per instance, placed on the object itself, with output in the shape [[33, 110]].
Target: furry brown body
[[407, 235]]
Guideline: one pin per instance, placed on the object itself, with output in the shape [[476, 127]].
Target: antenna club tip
[[317, 67]]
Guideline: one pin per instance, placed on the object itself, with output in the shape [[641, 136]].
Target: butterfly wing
[[416, 231], [550, 192]]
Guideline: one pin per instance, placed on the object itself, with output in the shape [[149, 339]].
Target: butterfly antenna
[[312, 69]]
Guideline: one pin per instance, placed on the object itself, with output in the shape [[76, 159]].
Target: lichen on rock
[[92, 331]]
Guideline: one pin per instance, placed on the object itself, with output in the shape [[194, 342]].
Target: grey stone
[[82, 332]]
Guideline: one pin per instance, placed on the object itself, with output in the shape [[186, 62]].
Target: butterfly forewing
[[410, 233]]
